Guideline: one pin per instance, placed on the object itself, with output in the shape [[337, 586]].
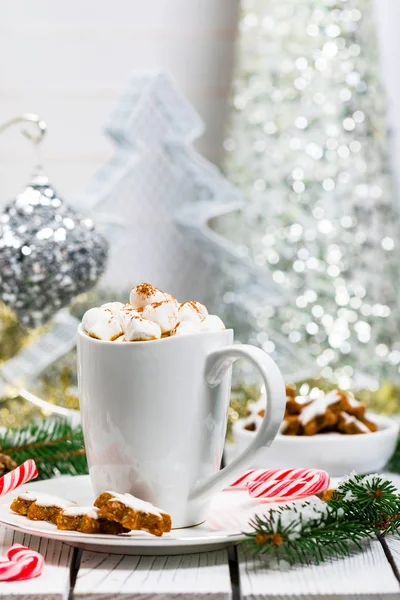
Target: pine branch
[[362, 507], [55, 445], [394, 463]]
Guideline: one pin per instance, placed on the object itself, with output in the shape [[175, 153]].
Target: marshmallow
[[185, 327], [192, 311], [102, 324], [148, 315], [164, 313], [144, 293], [125, 314], [172, 298], [115, 307], [212, 323], [141, 330]]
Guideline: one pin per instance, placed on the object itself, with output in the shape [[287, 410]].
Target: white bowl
[[335, 453]]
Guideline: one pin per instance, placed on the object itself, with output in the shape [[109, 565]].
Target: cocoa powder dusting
[[145, 289], [157, 304], [192, 303]]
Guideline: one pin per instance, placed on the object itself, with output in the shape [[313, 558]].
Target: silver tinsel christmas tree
[[308, 146]]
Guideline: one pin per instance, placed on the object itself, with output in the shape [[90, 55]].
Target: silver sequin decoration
[[308, 147], [48, 253]]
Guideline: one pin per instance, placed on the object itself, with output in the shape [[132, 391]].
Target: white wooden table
[[71, 574]]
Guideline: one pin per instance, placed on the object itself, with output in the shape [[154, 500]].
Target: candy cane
[[25, 472], [271, 474], [292, 489], [23, 563]]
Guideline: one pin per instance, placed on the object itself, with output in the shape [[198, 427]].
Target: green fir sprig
[[55, 445], [394, 463], [362, 507]]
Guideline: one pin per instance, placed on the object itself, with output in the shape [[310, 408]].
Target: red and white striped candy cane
[[23, 563], [25, 472], [271, 475], [241, 482], [290, 489]]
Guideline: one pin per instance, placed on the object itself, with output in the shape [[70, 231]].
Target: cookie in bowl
[[333, 432]]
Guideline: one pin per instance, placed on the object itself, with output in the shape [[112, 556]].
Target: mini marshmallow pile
[[149, 315]]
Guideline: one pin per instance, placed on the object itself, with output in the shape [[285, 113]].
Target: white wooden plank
[[53, 583], [366, 574], [393, 543], [127, 577]]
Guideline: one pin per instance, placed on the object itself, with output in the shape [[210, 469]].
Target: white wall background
[[69, 61]]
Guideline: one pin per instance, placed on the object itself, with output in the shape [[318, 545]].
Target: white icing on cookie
[[318, 407], [315, 409], [349, 419], [332, 397], [135, 503], [30, 496], [353, 402], [46, 499], [75, 511]]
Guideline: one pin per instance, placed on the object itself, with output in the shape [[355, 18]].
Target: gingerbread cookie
[[85, 519], [335, 401], [294, 406], [290, 391], [353, 407], [316, 416], [329, 413], [351, 425], [291, 426], [251, 426], [133, 513], [21, 503], [39, 507]]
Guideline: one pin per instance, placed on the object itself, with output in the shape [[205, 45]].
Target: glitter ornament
[[308, 147], [49, 253]]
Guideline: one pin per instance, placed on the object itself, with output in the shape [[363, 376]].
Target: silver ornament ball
[[49, 253]]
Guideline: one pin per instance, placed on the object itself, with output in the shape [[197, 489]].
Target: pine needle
[[394, 463], [362, 507], [55, 446]]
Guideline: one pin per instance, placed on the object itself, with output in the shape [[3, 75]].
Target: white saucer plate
[[229, 517]]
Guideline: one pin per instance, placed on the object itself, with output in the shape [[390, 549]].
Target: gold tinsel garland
[[13, 336], [58, 383]]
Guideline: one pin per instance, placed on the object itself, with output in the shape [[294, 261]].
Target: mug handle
[[217, 365]]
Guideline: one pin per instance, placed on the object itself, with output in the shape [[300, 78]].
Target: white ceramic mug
[[154, 417]]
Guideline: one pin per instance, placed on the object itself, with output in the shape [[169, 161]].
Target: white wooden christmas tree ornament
[[164, 193], [171, 202]]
